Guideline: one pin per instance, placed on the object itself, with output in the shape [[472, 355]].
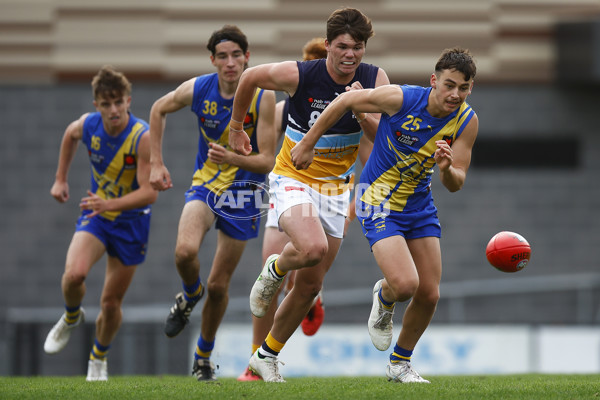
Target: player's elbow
[[151, 195], [266, 164], [454, 186], [270, 163]]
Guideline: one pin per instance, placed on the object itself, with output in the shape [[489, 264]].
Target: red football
[[508, 251]]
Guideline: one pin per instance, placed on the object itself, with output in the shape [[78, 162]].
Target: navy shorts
[[125, 239], [239, 219]]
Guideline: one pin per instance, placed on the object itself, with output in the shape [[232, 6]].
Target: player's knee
[[73, 277], [110, 307], [185, 253], [314, 252], [217, 291], [404, 289], [428, 298]]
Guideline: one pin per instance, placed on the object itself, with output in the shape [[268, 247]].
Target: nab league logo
[[318, 103]]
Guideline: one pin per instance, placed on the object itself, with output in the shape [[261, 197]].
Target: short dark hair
[[350, 21], [109, 83], [458, 59], [227, 32]]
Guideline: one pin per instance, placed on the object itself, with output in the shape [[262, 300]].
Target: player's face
[[230, 61], [114, 112], [344, 54], [451, 90]]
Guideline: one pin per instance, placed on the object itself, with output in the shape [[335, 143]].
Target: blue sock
[[400, 354], [72, 314], [98, 351], [203, 349], [386, 304], [192, 293]]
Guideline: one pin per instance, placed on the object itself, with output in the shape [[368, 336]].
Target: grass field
[[490, 387]]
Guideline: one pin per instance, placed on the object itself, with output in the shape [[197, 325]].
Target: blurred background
[[534, 171]]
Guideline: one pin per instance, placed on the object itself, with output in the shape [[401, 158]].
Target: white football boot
[[380, 322], [267, 368], [264, 289], [97, 371], [404, 373], [59, 335]]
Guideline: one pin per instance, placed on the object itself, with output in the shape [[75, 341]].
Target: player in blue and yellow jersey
[[225, 185], [310, 204], [419, 129], [115, 217]]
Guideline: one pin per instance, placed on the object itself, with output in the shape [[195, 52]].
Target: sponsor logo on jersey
[[406, 139], [96, 158], [210, 123], [318, 103], [129, 161]]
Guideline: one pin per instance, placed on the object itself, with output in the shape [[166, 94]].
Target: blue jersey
[[397, 175], [337, 149], [114, 161], [214, 114]]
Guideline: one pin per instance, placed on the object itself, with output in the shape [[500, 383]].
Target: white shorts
[[286, 192], [272, 221]]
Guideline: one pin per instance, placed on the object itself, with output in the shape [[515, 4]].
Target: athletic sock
[[99, 351], [192, 292], [275, 271], [72, 314], [400, 354], [386, 304], [270, 347], [203, 349]]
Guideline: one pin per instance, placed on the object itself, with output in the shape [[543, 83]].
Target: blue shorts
[[126, 239], [240, 221], [414, 224]]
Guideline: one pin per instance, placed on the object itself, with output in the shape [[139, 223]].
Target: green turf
[[532, 386]]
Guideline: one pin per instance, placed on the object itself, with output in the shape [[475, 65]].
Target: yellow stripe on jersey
[[408, 170], [218, 177], [117, 180], [212, 175], [331, 171]]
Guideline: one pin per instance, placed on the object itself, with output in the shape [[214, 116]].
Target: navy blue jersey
[[337, 149]]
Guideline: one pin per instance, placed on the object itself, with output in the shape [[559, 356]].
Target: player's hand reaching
[[93, 202], [443, 155], [160, 179], [239, 141], [60, 191], [355, 86], [218, 154], [302, 155]]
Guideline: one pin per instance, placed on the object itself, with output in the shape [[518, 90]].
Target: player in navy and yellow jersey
[[419, 129], [115, 217], [274, 240], [221, 178], [310, 205]]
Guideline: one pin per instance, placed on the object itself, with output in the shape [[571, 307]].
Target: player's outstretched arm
[[160, 179], [278, 76], [384, 99], [68, 147]]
